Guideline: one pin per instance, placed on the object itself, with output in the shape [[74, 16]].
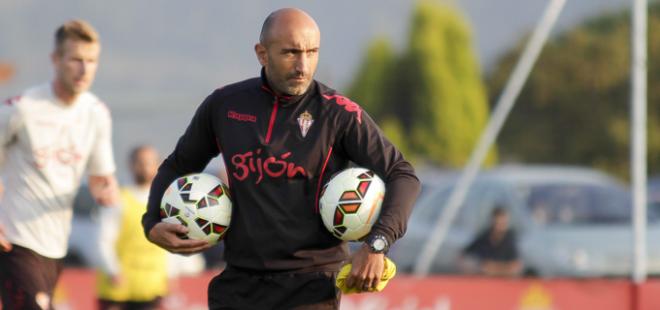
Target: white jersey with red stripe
[[46, 147]]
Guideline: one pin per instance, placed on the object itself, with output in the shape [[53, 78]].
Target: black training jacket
[[279, 151]]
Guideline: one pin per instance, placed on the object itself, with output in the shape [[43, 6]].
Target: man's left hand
[[367, 269], [104, 189]]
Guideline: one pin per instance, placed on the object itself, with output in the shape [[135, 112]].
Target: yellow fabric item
[[389, 270], [143, 265]]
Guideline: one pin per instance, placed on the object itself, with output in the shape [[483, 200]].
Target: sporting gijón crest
[[305, 121]]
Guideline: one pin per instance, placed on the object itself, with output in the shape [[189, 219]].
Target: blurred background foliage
[[430, 99], [574, 109], [432, 102]]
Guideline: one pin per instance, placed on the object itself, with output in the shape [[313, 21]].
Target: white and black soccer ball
[[350, 203], [200, 202]]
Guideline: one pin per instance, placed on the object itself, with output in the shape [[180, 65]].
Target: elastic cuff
[[148, 226], [384, 232]]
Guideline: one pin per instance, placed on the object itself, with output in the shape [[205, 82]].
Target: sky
[[161, 58]]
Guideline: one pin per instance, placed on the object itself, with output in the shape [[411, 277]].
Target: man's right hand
[[166, 236], [5, 246]]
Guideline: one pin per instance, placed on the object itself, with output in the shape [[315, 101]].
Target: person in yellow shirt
[[132, 272]]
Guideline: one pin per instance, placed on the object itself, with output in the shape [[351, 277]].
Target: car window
[[653, 211], [653, 199], [473, 214], [479, 203], [570, 204], [430, 204]]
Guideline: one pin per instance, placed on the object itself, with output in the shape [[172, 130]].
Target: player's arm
[[110, 222], [104, 189], [195, 148], [101, 165], [10, 122], [5, 245], [504, 268], [468, 260], [365, 145]]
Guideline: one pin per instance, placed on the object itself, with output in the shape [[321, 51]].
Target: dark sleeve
[[474, 248], [366, 146], [512, 248], [193, 151]]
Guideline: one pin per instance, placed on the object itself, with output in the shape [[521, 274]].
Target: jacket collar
[[284, 100]]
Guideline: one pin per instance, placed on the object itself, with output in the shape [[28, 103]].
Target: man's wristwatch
[[377, 244]]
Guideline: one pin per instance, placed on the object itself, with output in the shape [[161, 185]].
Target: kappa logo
[[348, 105], [242, 117], [305, 121]]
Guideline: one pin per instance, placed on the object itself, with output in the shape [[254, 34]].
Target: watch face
[[378, 244]]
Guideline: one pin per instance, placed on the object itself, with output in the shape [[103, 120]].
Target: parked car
[[569, 221], [653, 193]]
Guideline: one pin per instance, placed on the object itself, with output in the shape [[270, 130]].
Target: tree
[[371, 90], [447, 96], [368, 87], [574, 109], [431, 98]]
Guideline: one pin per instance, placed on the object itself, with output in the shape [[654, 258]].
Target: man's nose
[[302, 63], [84, 67]]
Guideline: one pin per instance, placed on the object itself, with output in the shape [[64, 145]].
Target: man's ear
[[262, 54]]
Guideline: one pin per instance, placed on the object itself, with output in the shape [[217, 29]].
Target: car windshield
[[571, 204]]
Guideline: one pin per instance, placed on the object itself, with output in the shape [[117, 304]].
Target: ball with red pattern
[[200, 202], [350, 203]]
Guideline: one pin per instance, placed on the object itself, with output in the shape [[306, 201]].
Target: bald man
[[283, 135]]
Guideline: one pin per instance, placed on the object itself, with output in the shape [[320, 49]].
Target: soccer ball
[[350, 203], [200, 202]]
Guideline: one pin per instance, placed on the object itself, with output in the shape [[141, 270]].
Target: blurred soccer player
[[133, 271], [49, 135]]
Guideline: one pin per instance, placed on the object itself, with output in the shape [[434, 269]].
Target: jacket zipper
[[318, 186], [273, 114]]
